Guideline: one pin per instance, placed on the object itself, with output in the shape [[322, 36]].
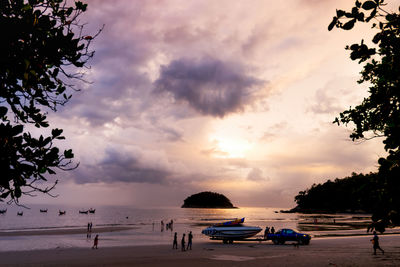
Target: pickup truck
[[283, 235]]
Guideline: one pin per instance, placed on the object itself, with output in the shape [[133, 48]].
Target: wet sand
[[343, 251], [64, 231]]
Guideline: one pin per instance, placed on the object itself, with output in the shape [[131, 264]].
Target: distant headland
[[208, 200]]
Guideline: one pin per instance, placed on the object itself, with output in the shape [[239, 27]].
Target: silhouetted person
[[272, 230], [375, 242], [162, 226], [190, 238], [95, 242], [175, 244], [183, 242], [266, 232], [88, 235]]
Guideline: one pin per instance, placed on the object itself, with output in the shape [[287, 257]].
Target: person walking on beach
[[272, 230], [175, 244], [190, 238], [183, 242], [375, 244], [95, 242]]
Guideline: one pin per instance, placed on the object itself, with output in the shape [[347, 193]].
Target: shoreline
[[344, 251], [64, 231]]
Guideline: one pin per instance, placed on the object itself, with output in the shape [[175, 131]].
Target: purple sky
[[236, 97]]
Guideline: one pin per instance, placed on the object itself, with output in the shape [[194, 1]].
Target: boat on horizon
[[230, 231]]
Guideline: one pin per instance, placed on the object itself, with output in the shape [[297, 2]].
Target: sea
[[145, 224]]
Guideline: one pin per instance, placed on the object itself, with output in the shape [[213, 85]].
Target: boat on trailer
[[230, 231]]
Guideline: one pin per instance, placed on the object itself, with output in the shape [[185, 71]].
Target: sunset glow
[[190, 96]]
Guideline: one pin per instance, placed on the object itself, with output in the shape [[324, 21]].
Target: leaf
[[390, 17], [56, 132], [332, 24], [17, 192], [4, 195], [68, 154], [16, 130], [340, 13], [372, 15], [26, 7], [369, 5], [349, 25]]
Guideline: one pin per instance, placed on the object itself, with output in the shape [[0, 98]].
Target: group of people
[[168, 225], [183, 242], [268, 230]]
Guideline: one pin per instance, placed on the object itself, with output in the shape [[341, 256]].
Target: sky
[[234, 97]]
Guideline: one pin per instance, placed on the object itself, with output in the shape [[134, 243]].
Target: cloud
[[256, 174], [324, 103], [130, 166], [210, 86], [273, 132]]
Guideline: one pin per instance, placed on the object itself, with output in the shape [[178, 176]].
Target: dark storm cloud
[[210, 86], [122, 167]]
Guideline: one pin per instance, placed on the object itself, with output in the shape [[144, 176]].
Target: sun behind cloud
[[228, 147]]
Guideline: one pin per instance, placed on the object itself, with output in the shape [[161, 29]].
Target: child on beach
[[375, 244], [95, 242]]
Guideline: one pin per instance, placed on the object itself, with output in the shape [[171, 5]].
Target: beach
[[338, 251], [134, 237]]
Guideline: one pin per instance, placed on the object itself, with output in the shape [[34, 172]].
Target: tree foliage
[[42, 50], [350, 194], [379, 114]]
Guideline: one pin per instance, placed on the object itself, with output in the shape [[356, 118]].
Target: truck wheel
[[275, 241], [282, 242], [306, 242]]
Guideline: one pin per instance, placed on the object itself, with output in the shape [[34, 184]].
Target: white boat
[[228, 233]]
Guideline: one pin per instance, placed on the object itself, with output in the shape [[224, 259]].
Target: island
[[208, 200]]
